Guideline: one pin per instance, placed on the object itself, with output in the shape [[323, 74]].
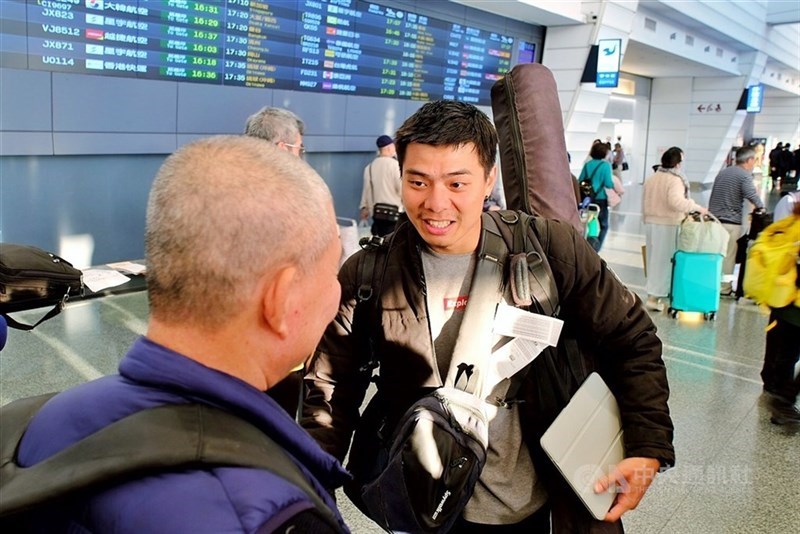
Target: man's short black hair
[[449, 123]]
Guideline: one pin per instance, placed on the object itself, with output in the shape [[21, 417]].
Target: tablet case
[[585, 442]]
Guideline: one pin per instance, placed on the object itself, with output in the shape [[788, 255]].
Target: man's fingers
[[614, 478], [615, 513], [601, 485]]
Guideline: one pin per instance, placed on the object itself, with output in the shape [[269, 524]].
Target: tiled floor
[[735, 473]]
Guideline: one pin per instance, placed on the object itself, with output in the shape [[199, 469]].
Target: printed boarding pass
[[514, 322]]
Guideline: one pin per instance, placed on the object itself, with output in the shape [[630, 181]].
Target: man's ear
[[276, 299], [490, 180]]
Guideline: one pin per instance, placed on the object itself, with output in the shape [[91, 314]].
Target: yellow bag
[[770, 275]]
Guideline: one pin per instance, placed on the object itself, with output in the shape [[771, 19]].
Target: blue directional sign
[[608, 58]]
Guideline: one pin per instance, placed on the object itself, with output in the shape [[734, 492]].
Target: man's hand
[[630, 479], [364, 214]]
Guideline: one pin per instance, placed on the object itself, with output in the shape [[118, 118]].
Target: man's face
[[443, 192], [317, 295]]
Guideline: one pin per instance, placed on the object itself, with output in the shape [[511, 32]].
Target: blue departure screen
[[755, 98], [330, 46]]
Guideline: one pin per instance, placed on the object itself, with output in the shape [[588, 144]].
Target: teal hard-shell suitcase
[[696, 278]]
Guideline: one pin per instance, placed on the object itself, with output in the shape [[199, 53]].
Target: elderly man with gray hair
[[732, 186], [278, 126], [241, 285], [285, 130]]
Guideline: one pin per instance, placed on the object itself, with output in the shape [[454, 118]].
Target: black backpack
[[162, 439], [586, 187], [392, 481], [31, 277]]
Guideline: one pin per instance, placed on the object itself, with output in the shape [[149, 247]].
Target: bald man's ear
[[275, 300]]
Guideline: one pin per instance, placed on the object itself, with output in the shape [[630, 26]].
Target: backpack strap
[[55, 310], [542, 290], [473, 344], [591, 176], [167, 438], [534, 273], [367, 310]]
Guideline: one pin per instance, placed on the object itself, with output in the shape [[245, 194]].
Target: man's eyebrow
[[417, 172]]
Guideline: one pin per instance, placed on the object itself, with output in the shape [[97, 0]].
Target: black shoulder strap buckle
[[492, 247], [531, 282], [371, 245], [370, 242]]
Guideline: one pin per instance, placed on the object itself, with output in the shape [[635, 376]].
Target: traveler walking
[[665, 203], [732, 186], [598, 171], [782, 350]]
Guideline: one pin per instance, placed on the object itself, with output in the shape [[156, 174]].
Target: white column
[[565, 52]]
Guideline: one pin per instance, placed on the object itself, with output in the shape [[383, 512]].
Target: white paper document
[[514, 322], [128, 267], [99, 279]]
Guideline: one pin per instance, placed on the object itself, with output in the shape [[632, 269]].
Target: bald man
[[241, 285]]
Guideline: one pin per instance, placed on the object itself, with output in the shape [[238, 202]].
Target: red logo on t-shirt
[[455, 303]]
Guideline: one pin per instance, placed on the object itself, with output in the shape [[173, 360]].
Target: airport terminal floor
[[736, 472]]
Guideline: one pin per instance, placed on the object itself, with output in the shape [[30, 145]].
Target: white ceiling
[[641, 59], [644, 60]]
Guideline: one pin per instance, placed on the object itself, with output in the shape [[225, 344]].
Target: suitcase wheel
[[673, 313], [710, 316]]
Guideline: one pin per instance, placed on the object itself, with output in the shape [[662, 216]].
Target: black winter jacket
[[605, 329]]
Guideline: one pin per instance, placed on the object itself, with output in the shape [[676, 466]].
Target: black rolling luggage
[[533, 152]]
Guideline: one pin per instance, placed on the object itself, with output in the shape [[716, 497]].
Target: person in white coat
[[665, 203]]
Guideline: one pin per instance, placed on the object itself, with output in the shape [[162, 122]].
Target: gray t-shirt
[[508, 490]]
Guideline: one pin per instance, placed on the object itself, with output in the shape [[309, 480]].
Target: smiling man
[[423, 273], [443, 191]]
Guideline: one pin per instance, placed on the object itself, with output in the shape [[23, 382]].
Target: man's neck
[[221, 350]]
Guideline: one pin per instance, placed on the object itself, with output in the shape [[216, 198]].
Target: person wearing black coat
[[774, 156]]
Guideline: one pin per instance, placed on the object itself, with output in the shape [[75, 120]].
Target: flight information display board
[[331, 46]]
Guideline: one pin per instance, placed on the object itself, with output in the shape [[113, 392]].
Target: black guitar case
[[533, 152]]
